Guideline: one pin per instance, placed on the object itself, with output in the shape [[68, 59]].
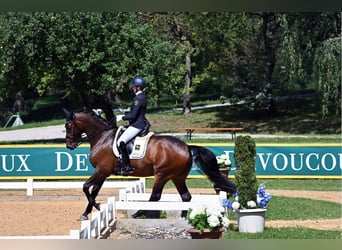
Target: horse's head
[[73, 132]]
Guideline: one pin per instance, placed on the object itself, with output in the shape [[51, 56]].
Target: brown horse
[[167, 158]]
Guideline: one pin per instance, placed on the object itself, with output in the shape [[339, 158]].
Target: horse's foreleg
[[96, 181]]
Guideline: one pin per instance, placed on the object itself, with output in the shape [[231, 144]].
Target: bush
[[245, 176]]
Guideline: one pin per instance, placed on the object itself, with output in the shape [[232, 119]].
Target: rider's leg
[[128, 135]]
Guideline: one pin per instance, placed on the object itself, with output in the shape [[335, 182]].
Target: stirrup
[[127, 171]]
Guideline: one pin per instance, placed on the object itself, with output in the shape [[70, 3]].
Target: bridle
[[79, 139], [76, 140]]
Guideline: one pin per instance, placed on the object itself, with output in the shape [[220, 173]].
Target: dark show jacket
[[136, 116]]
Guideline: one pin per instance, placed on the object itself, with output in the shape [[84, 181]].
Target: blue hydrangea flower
[[262, 198]]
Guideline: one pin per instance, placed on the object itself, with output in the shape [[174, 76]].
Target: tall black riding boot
[[126, 166]]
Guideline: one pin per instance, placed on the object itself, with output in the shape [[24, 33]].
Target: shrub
[[245, 176]]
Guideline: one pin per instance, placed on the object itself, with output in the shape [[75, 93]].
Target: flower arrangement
[[223, 161], [262, 199], [208, 217]]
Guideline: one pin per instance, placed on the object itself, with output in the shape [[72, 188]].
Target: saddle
[[137, 147]]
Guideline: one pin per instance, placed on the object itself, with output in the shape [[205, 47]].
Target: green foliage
[[199, 221], [93, 56], [309, 55], [245, 175], [207, 217], [327, 74]]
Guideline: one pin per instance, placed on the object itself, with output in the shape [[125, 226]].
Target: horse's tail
[[208, 164]]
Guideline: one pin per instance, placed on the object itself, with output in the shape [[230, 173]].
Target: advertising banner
[[288, 160], [272, 161]]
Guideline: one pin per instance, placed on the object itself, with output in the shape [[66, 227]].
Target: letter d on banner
[[68, 162]]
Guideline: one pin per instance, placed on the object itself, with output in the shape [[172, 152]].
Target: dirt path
[[56, 212]]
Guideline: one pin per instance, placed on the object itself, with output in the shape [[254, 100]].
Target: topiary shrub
[[245, 176]]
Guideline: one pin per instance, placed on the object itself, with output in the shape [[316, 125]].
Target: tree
[[106, 51], [208, 41], [181, 32], [94, 55], [16, 48], [310, 54], [327, 74]]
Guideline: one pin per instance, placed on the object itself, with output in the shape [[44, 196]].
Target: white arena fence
[[131, 197], [100, 224], [30, 185]]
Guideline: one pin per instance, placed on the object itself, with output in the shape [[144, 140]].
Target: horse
[[166, 158]]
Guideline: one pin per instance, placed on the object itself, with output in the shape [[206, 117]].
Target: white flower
[[219, 160], [235, 205], [213, 221], [208, 216], [197, 210], [215, 210], [251, 204], [227, 162], [225, 222], [223, 159]]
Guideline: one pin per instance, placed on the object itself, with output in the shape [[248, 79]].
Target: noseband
[[76, 140]]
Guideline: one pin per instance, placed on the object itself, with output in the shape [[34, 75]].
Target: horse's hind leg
[[155, 196], [96, 180], [184, 193]]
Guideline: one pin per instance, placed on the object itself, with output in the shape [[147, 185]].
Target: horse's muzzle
[[72, 146]]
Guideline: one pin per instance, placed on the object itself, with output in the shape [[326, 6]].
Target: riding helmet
[[138, 82]]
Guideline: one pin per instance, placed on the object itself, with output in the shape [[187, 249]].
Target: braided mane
[[110, 124]]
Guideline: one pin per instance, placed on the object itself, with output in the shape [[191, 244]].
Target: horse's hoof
[[138, 214], [83, 217], [97, 206]]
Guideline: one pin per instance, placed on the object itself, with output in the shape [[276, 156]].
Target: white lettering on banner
[[9, 163], [307, 161], [261, 158], [333, 160], [275, 164], [80, 160], [23, 163], [293, 162], [313, 161]]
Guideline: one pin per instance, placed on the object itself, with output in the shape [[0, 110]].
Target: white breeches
[[128, 135]]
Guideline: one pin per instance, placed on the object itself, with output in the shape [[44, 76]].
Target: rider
[[137, 122]]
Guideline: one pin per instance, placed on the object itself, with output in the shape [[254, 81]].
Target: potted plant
[[251, 200], [224, 164], [208, 222]]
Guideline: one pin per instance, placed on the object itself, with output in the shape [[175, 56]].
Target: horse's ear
[[69, 115]]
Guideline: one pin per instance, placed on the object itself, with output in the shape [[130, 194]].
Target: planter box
[[251, 220], [207, 234]]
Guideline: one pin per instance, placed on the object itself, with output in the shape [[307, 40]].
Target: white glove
[[119, 118]]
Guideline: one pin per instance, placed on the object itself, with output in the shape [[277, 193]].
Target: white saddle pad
[[139, 145]]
